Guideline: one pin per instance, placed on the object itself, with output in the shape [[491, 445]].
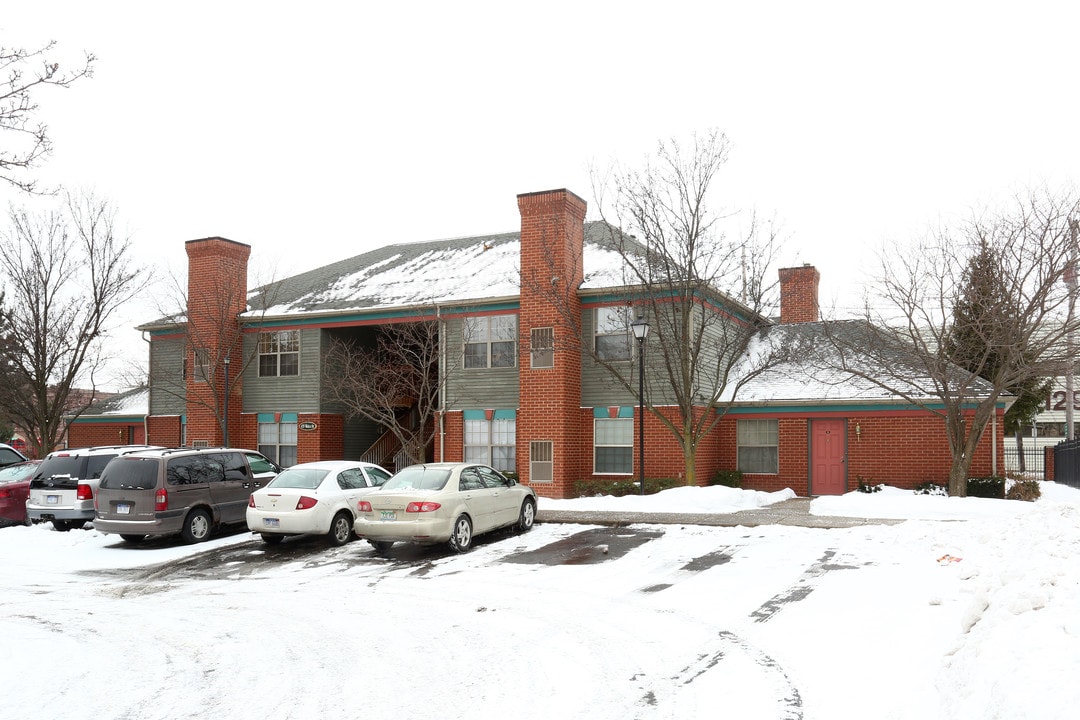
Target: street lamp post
[[225, 435], [641, 331]]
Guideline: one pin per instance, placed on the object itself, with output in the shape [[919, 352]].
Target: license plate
[[52, 500], [387, 515], [271, 522], [123, 508]]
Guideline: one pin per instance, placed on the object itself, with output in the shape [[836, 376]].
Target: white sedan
[[313, 498], [443, 502]]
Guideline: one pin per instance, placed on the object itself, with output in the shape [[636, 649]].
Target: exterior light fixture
[[641, 331]]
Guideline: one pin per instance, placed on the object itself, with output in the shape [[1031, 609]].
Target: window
[[194, 470], [492, 442], [541, 467], [277, 441], [351, 479], [612, 335], [490, 341], [279, 353], [491, 479], [613, 446], [376, 476], [259, 464], [235, 467], [542, 343], [204, 370], [758, 446]]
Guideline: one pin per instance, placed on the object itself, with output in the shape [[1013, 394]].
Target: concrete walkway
[[795, 512]]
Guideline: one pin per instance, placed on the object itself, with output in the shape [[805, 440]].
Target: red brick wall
[[163, 430], [453, 441], [903, 449], [552, 241], [217, 294], [799, 294], [325, 442], [244, 431], [89, 434]]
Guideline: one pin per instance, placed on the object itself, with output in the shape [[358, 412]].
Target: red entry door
[[828, 448]]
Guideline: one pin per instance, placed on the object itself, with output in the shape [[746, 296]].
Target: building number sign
[[1056, 401]]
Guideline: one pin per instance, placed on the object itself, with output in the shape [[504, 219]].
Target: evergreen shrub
[[727, 478], [987, 487]]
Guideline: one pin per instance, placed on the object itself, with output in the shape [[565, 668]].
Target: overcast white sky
[[320, 130]]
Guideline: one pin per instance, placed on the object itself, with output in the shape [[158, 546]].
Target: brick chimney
[[217, 294], [799, 294], [549, 409]]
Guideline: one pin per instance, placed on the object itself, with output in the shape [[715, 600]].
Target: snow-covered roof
[[129, 402], [809, 371], [457, 270]]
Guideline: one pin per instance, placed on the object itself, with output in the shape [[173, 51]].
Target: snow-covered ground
[[971, 610]]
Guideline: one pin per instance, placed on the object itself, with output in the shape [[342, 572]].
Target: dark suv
[[62, 489], [182, 491]]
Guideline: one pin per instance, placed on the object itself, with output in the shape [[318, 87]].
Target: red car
[[14, 488]]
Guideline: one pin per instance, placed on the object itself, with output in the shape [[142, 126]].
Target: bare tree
[[955, 351], [67, 273], [212, 343], [402, 368], [702, 288], [24, 141]]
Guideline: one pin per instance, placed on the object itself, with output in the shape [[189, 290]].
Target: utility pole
[[1070, 281]]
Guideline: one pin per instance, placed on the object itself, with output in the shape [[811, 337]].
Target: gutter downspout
[[442, 387], [993, 445]]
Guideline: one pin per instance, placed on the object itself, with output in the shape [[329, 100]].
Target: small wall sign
[[308, 426]]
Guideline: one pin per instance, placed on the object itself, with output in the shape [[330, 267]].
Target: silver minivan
[[182, 491]]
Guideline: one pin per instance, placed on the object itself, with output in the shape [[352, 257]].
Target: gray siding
[[476, 389], [284, 394], [167, 385], [598, 387]]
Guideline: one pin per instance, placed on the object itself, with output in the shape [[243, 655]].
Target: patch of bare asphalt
[[588, 547], [803, 586]]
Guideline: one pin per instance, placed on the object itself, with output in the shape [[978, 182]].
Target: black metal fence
[[1031, 460], [1067, 463]]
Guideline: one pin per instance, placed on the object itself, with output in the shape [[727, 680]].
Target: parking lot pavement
[[794, 512]]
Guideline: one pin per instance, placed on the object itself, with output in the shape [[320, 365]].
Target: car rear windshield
[[418, 478], [130, 474], [58, 465], [301, 479]]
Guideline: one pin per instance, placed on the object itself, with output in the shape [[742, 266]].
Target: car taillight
[[84, 492], [5, 492], [251, 501], [161, 500], [363, 506], [419, 507], [305, 502]]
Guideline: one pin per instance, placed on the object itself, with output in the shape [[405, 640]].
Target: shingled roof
[[811, 372], [457, 270]]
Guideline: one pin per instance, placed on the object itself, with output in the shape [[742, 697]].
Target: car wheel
[[461, 538], [527, 516], [381, 546], [271, 539], [133, 538], [340, 529], [196, 527]]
